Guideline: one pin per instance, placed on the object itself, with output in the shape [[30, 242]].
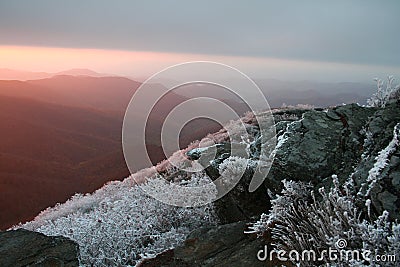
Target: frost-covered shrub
[[368, 142], [197, 191], [286, 117], [298, 106], [383, 95], [233, 166], [232, 169], [177, 160], [119, 224], [300, 221]]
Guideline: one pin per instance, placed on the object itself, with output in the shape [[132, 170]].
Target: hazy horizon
[[140, 65]]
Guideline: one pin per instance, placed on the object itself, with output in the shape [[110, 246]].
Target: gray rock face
[[322, 143], [25, 248], [239, 204], [385, 194], [224, 245], [344, 141]]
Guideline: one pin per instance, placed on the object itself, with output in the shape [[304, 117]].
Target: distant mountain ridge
[[21, 75], [101, 93], [277, 92]]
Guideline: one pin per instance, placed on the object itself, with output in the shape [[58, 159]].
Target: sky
[[320, 40]]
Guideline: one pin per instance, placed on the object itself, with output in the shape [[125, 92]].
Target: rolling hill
[[62, 135], [48, 152]]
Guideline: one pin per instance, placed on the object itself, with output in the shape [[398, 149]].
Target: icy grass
[[119, 224], [298, 221]]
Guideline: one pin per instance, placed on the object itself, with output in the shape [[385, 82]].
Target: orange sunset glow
[[141, 64], [53, 59]]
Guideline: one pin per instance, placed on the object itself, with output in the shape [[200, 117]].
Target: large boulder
[[345, 141], [26, 248], [224, 245], [320, 144]]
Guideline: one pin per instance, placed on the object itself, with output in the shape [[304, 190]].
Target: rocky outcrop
[[385, 192], [312, 146], [320, 144], [25, 248], [344, 141], [224, 245]]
